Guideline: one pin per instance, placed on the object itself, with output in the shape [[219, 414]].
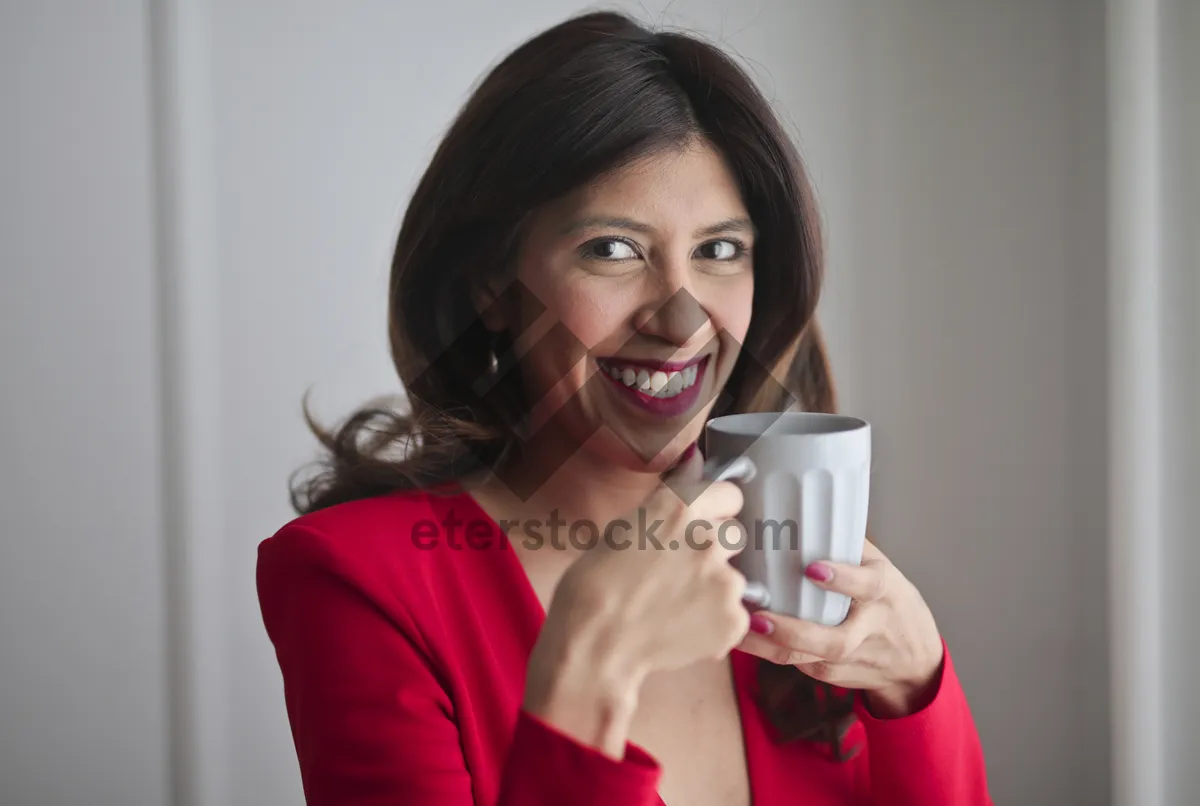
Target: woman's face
[[639, 292]]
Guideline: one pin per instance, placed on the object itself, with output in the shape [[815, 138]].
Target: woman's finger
[[841, 675], [864, 583], [833, 644], [872, 553], [820, 670], [718, 499], [762, 646]]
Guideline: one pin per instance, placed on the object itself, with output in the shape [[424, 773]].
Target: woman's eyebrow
[[728, 225], [617, 222], [606, 222]]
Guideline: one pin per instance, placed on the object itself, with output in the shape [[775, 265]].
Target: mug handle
[[740, 468]]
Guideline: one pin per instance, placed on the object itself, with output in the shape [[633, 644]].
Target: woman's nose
[[674, 314]]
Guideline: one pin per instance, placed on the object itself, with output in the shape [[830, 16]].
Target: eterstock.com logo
[[686, 316], [641, 532]]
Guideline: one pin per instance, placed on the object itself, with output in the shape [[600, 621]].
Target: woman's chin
[[641, 452]]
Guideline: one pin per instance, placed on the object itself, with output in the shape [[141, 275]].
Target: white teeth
[[658, 383]]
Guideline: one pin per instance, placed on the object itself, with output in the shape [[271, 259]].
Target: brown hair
[[586, 96]]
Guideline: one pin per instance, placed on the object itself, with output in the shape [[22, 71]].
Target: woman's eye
[[720, 250], [610, 249]]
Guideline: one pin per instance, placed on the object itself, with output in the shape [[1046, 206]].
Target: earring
[[493, 359]]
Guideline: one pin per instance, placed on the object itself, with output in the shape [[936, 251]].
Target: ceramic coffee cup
[[806, 485]]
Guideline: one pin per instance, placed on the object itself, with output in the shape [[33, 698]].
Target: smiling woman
[[614, 242], [660, 292]]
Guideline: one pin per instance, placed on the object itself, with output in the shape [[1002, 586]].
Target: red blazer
[[403, 625]]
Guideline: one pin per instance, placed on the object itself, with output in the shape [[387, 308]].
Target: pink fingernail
[[761, 624], [819, 572], [689, 453]]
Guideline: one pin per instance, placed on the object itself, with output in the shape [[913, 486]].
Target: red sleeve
[[371, 721], [930, 758]]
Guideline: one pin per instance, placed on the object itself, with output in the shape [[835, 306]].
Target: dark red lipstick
[[673, 406]]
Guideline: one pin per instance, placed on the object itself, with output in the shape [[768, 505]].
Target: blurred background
[[197, 204]]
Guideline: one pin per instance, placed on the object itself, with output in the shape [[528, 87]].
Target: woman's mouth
[[662, 387]]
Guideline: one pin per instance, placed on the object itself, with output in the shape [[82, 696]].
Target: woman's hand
[[628, 608], [889, 645]]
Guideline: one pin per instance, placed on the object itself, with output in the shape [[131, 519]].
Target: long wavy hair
[[571, 104]]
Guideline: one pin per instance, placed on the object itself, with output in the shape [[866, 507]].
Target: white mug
[[806, 480]]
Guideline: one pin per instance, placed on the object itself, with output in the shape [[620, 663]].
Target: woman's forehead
[[677, 189]]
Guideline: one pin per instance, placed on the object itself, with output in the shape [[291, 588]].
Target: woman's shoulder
[[392, 532], [360, 565]]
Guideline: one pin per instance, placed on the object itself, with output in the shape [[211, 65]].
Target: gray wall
[[1181, 337], [82, 670], [970, 228], [958, 152]]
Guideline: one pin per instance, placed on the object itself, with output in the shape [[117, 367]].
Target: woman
[[614, 243]]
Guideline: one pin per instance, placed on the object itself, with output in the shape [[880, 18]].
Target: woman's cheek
[[732, 307], [576, 324], [597, 309]]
